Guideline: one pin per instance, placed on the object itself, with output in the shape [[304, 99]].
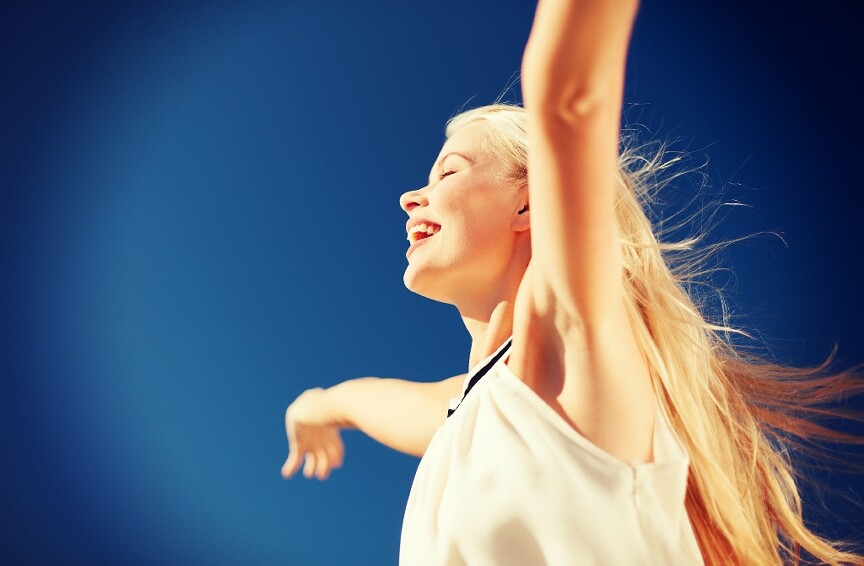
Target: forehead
[[468, 139], [468, 143]]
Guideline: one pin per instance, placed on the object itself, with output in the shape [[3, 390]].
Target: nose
[[412, 199]]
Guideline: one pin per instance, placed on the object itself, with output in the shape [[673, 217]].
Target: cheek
[[478, 234], [477, 217]]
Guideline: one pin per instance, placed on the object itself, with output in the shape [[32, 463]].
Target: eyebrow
[[443, 157]]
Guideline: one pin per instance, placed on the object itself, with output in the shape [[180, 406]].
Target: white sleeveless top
[[506, 481]]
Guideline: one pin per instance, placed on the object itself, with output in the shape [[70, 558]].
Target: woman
[[603, 419]]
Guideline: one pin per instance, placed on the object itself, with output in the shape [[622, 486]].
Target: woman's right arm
[[403, 415]]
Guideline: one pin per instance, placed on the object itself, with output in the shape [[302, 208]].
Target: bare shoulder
[[594, 376]]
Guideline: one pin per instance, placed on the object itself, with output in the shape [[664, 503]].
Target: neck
[[489, 317], [489, 332]]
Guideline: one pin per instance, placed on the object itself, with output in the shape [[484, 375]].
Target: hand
[[311, 434]]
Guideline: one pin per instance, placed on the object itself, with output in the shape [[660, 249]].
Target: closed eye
[[446, 173]]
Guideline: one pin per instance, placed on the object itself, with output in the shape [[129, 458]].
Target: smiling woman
[[200, 221], [595, 382]]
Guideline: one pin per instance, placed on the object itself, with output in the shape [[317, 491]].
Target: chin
[[413, 280], [422, 282]]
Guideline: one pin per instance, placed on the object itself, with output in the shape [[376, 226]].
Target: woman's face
[[463, 224]]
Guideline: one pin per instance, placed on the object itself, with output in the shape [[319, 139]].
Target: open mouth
[[422, 231]]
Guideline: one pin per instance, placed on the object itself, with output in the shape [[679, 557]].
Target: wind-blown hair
[[738, 415]]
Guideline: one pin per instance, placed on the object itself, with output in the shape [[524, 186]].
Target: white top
[[506, 481]]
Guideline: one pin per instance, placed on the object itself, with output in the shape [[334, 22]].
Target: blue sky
[[200, 220]]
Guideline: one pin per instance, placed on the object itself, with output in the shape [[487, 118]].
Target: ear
[[522, 218]]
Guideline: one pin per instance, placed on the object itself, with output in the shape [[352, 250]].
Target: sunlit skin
[[477, 262], [548, 274], [478, 258], [602, 334]]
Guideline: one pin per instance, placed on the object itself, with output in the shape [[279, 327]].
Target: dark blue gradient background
[[199, 220]]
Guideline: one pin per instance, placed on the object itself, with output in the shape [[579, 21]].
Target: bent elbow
[[575, 103], [583, 101]]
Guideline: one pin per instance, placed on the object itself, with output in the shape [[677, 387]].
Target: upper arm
[[573, 339], [421, 409], [431, 412], [447, 389], [399, 413], [573, 81]]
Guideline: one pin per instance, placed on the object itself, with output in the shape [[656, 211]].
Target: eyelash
[[446, 174]]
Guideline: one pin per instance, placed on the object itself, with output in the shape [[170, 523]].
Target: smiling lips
[[421, 231]]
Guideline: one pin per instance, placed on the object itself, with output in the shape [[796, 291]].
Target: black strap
[[483, 371]]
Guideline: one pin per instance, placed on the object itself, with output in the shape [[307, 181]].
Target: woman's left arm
[[572, 84], [579, 351]]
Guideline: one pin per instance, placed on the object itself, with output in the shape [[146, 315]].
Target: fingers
[[317, 464], [335, 455], [322, 465], [318, 449], [309, 467], [295, 456], [292, 464]]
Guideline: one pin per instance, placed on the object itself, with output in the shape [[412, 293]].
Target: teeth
[[428, 229]]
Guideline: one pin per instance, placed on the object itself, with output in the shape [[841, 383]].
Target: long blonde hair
[[738, 415]]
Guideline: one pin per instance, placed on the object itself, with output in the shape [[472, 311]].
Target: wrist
[[314, 407], [335, 404]]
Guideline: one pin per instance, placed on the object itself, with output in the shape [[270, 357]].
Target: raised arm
[[572, 83], [573, 339], [403, 415]]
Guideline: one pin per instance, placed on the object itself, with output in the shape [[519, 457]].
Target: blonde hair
[[737, 414]]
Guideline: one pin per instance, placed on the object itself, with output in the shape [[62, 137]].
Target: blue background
[[199, 220]]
